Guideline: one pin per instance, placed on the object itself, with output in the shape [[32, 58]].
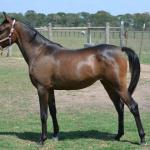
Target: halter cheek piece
[[10, 34]]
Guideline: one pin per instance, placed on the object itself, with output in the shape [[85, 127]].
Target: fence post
[[89, 33], [50, 35], [9, 51], [141, 44], [107, 30], [122, 39]]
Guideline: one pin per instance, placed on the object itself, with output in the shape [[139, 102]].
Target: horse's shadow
[[90, 134]]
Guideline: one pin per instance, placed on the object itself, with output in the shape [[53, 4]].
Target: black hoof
[[118, 136], [143, 142], [42, 139]]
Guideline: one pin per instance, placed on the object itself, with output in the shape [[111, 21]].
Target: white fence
[[107, 29]]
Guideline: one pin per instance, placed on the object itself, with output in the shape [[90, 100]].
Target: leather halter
[[10, 34]]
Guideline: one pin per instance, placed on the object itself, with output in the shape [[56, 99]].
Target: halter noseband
[[10, 34]]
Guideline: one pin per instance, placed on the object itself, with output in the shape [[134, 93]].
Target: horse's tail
[[134, 65]]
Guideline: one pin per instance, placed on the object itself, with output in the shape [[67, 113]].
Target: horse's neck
[[28, 42]]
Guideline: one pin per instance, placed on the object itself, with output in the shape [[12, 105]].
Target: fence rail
[[107, 29]]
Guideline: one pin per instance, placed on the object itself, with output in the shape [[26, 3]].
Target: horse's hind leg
[[52, 109], [133, 107], [119, 105]]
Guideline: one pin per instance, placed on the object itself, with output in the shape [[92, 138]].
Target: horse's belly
[[72, 85]]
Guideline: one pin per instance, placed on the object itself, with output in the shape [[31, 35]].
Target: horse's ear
[[5, 16]]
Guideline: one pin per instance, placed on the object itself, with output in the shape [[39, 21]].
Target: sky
[[115, 7]]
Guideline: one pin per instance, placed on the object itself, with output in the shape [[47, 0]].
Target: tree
[[84, 18], [72, 19], [41, 20], [128, 20], [62, 20], [140, 19], [31, 17], [101, 17]]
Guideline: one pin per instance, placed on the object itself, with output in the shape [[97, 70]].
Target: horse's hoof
[[41, 142], [117, 138], [42, 139], [55, 137], [143, 143]]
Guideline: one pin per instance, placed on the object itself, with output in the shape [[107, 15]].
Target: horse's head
[[7, 32]]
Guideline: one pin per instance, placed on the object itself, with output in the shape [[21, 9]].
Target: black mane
[[44, 38]]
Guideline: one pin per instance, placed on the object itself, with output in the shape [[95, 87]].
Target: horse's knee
[[121, 107], [44, 117]]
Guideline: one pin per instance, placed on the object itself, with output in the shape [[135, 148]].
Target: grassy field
[[83, 125]]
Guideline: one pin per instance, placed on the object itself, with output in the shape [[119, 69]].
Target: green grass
[[87, 129]]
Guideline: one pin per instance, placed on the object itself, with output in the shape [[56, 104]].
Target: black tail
[[134, 65]]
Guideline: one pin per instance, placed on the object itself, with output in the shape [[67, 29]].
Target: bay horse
[[53, 67]]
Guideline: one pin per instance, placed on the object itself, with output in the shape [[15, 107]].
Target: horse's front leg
[[52, 109], [43, 100]]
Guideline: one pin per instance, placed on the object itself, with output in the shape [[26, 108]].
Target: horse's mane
[[36, 32]]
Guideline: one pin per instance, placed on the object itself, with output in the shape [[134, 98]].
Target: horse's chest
[[42, 72]]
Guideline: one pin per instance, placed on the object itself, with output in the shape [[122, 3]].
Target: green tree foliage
[[100, 18], [140, 19], [32, 17]]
